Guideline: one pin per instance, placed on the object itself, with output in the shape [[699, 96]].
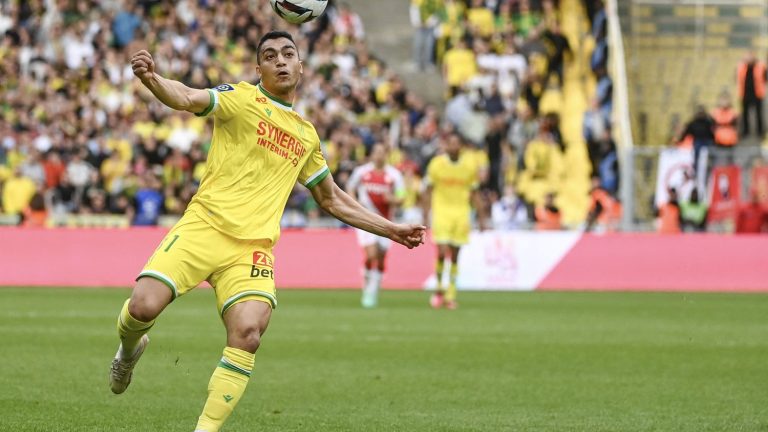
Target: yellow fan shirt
[[260, 148]]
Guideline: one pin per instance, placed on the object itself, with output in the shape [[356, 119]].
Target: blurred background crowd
[[80, 136]]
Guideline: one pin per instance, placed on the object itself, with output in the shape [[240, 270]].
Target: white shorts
[[365, 239]]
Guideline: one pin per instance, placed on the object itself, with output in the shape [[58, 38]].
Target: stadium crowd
[[80, 135]]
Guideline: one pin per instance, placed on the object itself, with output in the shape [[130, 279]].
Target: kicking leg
[[137, 316], [246, 322]]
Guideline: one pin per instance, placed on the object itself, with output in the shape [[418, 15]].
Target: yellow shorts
[[451, 228], [193, 252]]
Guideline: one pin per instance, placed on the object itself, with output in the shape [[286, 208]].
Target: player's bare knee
[[246, 337], [143, 308]]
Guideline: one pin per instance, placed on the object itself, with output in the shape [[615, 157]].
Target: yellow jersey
[[452, 184], [260, 148], [460, 66], [482, 19]]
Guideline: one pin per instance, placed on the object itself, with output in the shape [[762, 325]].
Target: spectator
[[425, 19], [509, 211], [35, 215], [526, 20], [125, 24], [604, 92], [751, 80], [752, 217], [480, 19], [347, 24], [669, 216], [459, 65], [53, 169], [594, 128], [608, 167], [548, 215], [18, 191], [149, 201], [557, 47], [701, 129], [726, 134], [64, 197], [693, 213], [604, 210], [524, 128], [78, 170], [543, 165]]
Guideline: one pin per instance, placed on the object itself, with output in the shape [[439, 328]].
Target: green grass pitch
[[502, 362]]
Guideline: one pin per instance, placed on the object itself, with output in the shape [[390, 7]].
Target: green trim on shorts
[[224, 364], [162, 278], [231, 301]]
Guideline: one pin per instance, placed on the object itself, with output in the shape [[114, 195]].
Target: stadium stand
[[80, 139], [79, 131]]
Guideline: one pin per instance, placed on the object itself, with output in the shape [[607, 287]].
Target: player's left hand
[[409, 235]]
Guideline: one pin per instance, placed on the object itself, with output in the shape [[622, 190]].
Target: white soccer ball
[[298, 11]]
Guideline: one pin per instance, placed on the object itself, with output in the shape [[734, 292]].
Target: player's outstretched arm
[[171, 93], [343, 207]]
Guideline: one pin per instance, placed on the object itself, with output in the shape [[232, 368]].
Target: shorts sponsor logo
[[262, 266], [261, 259], [262, 273]]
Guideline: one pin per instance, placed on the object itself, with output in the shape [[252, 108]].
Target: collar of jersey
[[275, 100]]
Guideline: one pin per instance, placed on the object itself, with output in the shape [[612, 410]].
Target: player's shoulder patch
[[224, 88]]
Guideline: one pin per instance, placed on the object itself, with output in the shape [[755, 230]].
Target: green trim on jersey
[[231, 301], [162, 278], [317, 177], [211, 104], [275, 99]]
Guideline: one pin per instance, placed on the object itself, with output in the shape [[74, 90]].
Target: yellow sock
[[225, 388], [130, 330], [439, 272], [454, 272]]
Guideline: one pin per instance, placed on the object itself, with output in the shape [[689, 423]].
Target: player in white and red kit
[[380, 188]]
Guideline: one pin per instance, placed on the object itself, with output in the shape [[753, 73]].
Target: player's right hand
[[143, 65], [409, 235]]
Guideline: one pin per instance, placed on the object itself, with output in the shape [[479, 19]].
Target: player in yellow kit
[[260, 148], [452, 179]]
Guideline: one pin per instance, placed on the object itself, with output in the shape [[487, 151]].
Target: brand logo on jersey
[[268, 111], [300, 127], [261, 100], [377, 188], [224, 88], [280, 142]]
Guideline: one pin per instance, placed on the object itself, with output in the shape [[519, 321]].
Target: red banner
[[725, 192], [653, 262], [332, 259], [113, 257]]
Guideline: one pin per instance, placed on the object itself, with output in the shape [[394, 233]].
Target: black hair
[[272, 35]]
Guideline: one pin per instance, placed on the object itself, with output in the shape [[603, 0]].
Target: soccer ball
[[298, 11]]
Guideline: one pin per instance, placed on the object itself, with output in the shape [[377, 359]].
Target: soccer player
[[452, 179], [379, 188], [260, 148]]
